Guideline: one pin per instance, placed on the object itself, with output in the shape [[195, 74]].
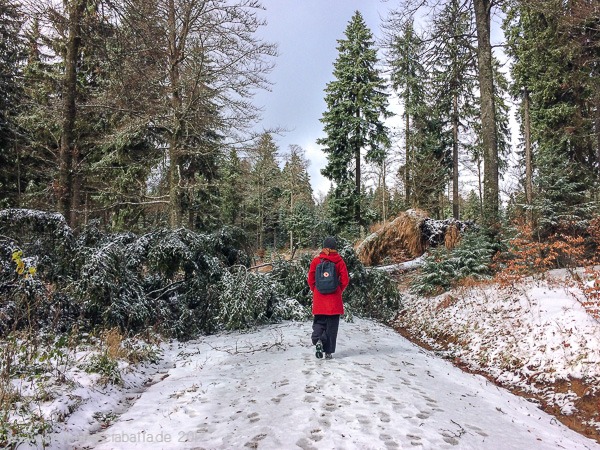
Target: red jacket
[[328, 304]]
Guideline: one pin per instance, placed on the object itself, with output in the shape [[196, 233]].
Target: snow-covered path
[[266, 389]]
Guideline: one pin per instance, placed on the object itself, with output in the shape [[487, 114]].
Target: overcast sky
[[306, 32]]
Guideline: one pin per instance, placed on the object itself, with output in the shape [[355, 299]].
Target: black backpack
[[326, 277]]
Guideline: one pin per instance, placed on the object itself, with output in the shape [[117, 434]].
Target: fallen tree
[[408, 236]]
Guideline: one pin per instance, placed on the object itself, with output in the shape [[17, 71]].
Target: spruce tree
[[454, 80], [550, 43], [297, 197], [409, 79], [231, 189], [12, 53], [266, 191], [353, 123]]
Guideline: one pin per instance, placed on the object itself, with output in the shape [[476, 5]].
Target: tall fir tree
[[266, 192], [409, 79], [454, 79], [12, 56], [297, 196], [232, 189], [354, 120], [557, 79]]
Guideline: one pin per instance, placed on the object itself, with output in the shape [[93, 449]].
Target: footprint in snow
[[415, 439], [305, 444], [253, 443], [278, 399], [423, 415], [316, 435], [310, 399], [330, 406], [254, 417], [477, 430], [388, 441], [384, 417]]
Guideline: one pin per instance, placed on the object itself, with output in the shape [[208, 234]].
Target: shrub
[[107, 367], [371, 293], [292, 276], [246, 299], [528, 254], [443, 268]]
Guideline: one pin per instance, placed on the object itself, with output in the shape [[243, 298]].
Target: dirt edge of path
[[587, 404]]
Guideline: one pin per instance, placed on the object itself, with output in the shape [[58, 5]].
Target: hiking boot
[[328, 356], [319, 349]]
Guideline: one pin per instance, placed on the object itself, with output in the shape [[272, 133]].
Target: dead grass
[[397, 241], [112, 342]]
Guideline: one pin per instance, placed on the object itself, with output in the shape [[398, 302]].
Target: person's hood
[[333, 256]]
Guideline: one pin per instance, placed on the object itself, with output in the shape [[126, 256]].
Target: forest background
[[139, 115], [136, 195]]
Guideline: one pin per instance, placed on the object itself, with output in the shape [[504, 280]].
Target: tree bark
[[489, 133], [455, 198], [357, 185], [407, 179], [68, 203], [175, 206], [528, 156]]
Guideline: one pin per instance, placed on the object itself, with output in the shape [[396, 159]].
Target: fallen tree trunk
[[406, 266], [408, 236]]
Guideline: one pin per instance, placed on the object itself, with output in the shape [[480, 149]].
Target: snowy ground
[[528, 335], [266, 389]]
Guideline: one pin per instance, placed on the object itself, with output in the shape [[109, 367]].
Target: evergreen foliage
[[177, 282], [264, 204], [472, 258], [553, 68], [409, 79], [12, 54], [356, 106], [371, 293]]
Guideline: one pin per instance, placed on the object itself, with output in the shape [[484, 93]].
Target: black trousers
[[325, 328]]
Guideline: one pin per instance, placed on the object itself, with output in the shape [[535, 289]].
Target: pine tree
[[297, 195], [64, 79], [454, 79], [231, 189], [557, 77], [409, 79], [432, 163], [12, 53], [266, 191], [356, 106]]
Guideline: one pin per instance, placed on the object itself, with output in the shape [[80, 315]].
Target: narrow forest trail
[[266, 389]]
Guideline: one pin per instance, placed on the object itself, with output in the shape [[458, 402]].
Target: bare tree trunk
[[528, 156], [175, 207], [488, 113], [480, 187], [407, 180], [67, 163], [455, 198], [384, 192], [357, 185]]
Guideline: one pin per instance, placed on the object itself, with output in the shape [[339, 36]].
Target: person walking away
[[327, 296]]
